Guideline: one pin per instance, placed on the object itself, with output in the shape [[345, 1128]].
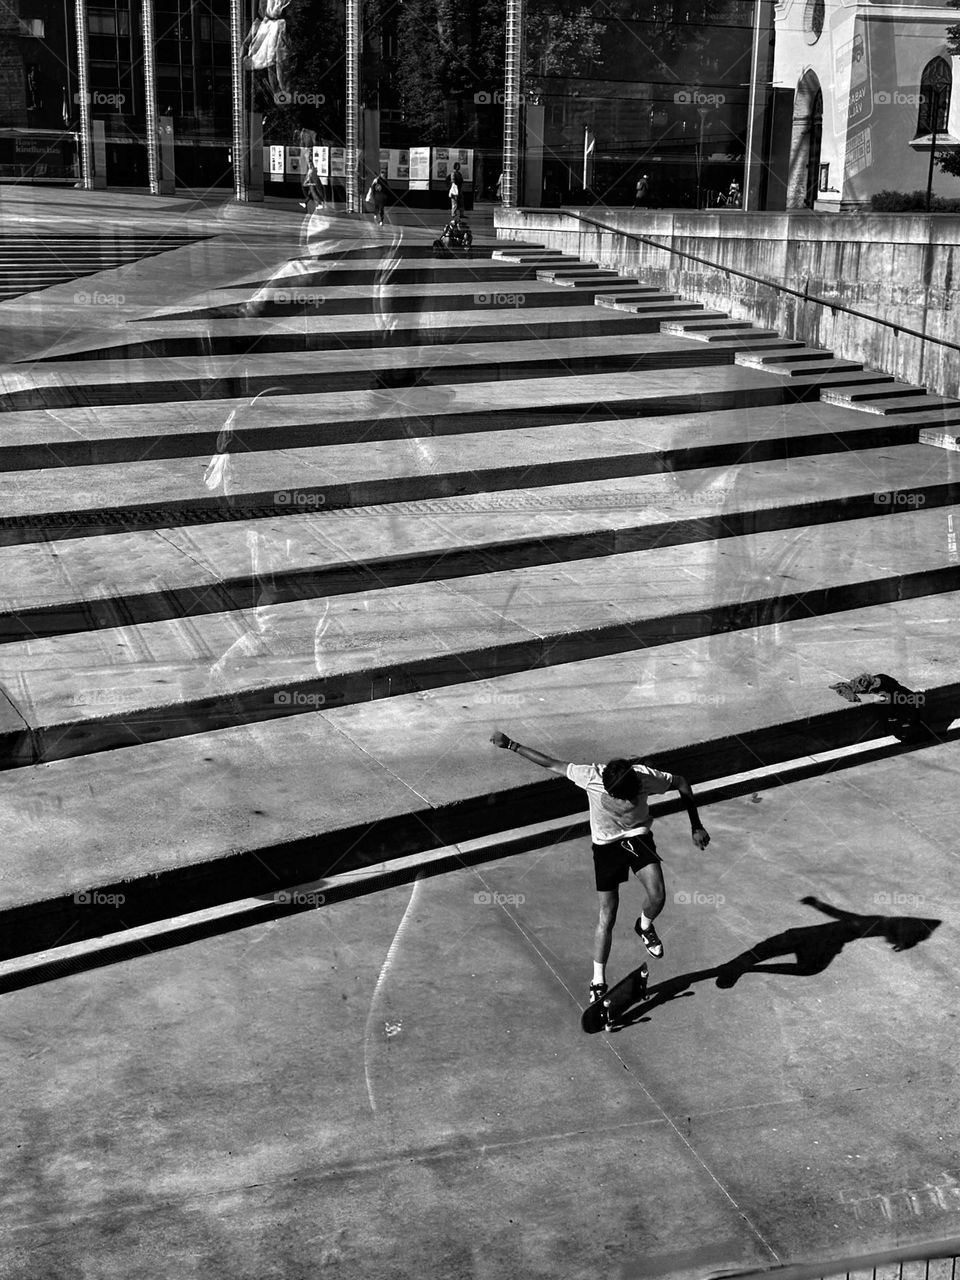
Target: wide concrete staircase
[[277, 559], [36, 259]]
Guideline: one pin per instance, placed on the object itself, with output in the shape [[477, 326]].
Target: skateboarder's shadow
[[815, 947]]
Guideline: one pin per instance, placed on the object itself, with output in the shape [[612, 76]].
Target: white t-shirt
[[612, 819]]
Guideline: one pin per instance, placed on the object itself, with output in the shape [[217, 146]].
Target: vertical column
[[150, 99], [513, 70], [238, 96], [761, 75], [351, 158], [83, 93]]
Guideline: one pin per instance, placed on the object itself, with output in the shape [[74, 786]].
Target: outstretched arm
[[535, 757], [697, 829]]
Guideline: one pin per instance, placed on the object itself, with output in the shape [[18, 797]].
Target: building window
[[813, 20], [935, 85]]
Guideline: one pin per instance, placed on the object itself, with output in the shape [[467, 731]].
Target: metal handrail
[[746, 275], [945, 1250]]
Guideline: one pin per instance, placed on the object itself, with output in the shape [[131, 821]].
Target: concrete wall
[[897, 267]]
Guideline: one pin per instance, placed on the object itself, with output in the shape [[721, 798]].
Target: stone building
[[868, 85]]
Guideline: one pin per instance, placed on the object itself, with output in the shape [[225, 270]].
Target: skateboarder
[[622, 840]]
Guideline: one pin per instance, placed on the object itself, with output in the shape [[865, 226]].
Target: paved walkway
[[292, 958]]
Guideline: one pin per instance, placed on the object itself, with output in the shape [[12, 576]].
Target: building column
[[88, 174], [160, 184], [761, 75], [351, 154], [513, 71]]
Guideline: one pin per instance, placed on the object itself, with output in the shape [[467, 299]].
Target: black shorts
[[613, 862]]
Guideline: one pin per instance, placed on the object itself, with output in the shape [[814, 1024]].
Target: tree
[[450, 52]]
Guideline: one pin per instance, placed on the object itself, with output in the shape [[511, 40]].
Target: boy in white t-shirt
[[622, 839]]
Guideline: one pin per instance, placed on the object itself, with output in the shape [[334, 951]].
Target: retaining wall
[[897, 267]]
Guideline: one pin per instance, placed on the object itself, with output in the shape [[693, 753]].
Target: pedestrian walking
[[312, 190], [377, 196], [455, 192], [622, 840], [500, 188], [642, 192]]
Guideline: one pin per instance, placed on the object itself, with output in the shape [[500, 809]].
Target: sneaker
[[650, 940], [597, 991]]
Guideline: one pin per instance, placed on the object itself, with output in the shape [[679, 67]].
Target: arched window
[[935, 84]]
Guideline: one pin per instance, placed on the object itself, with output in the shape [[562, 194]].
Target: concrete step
[[728, 341], [89, 692], [641, 303], [877, 391], [363, 300], [395, 272], [623, 283], [250, 817], [921, 406], [504, 253], [569, 275], [585, 503], [320, 333], [949, 440], [125, 382], [892, 389], [808, 355], [75, 436], [720, 331], [793, 363]]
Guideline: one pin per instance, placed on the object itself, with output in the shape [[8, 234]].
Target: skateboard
[[618, 999]]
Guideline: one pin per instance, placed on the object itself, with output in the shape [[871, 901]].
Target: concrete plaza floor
[[398, 1085], [663, 554]]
